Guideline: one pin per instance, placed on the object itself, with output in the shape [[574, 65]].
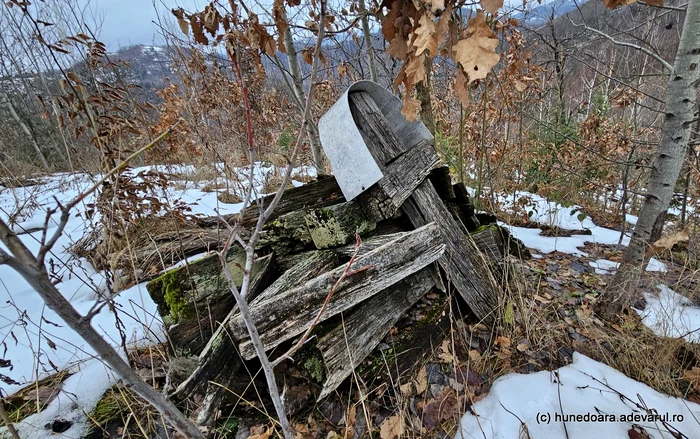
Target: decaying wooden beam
[[368, 244], [351, 341], [320, 193], [401, 177], [465, 265], [220, 358], [291, 312], [466, 208], [375, 130], [194, 298], [160, 250]]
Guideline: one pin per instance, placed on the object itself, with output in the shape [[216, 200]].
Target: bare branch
[[249, 247], [658, 58], [5, 258], [680, 8]]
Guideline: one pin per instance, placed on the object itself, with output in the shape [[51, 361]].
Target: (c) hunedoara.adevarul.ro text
[[548, 418]]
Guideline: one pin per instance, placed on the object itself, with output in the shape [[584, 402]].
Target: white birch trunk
[[680, 112]]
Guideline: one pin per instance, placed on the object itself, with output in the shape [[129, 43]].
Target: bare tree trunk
[[32, 269], [298, 89], [27, 131], [368, 41], [680, 112], [423, 95]]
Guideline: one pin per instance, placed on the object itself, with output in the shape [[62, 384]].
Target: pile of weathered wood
[[419, 233]]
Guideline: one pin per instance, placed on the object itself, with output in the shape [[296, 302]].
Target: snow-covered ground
[[670, 314], [549, 213], [583, 400], [28, 327], [587, 389]]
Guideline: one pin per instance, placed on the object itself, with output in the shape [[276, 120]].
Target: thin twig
[[652, 54]]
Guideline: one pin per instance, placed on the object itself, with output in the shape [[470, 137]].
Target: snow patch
[[603, 266], [655, 265], [669, 314], [540, 399]]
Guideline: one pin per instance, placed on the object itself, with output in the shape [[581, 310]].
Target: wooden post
[[465, 265]]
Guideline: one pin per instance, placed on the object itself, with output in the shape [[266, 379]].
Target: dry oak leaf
[[460, 88], [411, 106], [391, 428], [264, 434], [666, 243], [211, 19], [439, 409], [279, 15], [612, 4], [425, 35], [445, 354], [184, 25], [503, 342], [491, 6], [421, 381], [392, 27], [442, 26], [476, 52]]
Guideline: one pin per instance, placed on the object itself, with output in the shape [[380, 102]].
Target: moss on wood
[[336, 225]]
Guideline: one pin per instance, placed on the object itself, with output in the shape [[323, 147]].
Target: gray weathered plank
[[401, 177], [345, 346], [219, 358], [320, 193], [466, 267], [376, 132], [291, 312]]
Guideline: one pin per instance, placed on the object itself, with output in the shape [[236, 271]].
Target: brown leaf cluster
[[612, 4], [417, 34]]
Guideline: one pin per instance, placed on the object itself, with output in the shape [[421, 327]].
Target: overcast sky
[[128, 22]]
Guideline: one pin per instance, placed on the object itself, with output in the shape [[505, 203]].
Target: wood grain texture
[[291, 312], [376, 132], [401, 177], [467, 268], [345, 346], [220, 358], [465, 265]]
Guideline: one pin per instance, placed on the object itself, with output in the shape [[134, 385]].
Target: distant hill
[[540, 14]]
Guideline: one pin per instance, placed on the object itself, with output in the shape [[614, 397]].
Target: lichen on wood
[[336, 225], [193, 298]]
